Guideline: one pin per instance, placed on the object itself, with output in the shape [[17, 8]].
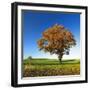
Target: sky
[[35, 22]]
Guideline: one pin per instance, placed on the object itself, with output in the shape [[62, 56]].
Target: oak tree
[[57, 40]]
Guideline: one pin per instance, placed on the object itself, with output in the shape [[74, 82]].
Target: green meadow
[[50, 67]]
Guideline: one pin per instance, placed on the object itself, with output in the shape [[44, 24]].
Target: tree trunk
[[60, 60], [60, 55]]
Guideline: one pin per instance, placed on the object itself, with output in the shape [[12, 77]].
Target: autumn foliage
[[56, 40]]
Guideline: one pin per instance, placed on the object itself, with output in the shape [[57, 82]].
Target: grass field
[[50, 67]]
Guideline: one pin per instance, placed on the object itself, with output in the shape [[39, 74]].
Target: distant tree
[[57, 40], [30, 57]]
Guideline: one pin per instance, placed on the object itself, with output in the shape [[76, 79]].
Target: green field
[[50, 67]]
